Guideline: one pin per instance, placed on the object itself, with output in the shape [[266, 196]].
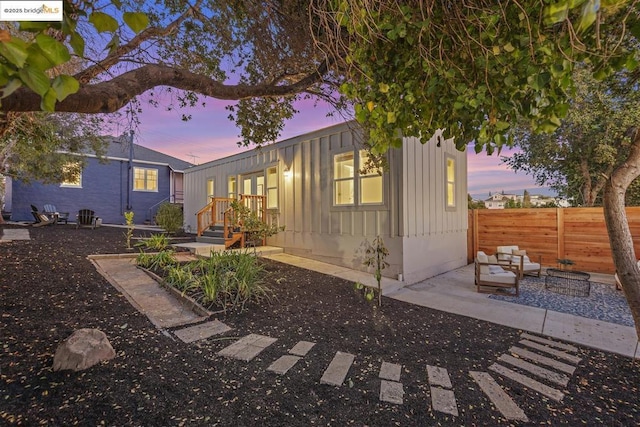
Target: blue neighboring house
[[109, 188]]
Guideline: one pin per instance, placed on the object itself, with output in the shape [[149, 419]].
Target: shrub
[[170, 217], [158, 242], [156, 261], [229, 280]]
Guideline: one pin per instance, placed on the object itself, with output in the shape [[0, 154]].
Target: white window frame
[[146, 179], [357, 179], [271, 187], [76, 183], [232, 187], [210, 189], [450, 170], [342, 180], [376, 174]]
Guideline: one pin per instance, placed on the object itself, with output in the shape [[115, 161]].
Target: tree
[[578, 157], [258, 54], [473, 68], [526, 199], [472, 204]]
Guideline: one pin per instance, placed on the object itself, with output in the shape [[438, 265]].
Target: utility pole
[[130, 173]]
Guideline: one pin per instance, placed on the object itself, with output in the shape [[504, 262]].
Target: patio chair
[[40, 218], [86, 218], [51, 211], [519, 257], [494, 277]]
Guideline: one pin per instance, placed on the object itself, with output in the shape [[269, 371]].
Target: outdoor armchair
[[521, 259], [86, 218], [493, 277], [51, 211]]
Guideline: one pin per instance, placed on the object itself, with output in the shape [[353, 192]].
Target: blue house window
[[73, 175], [145, 179]]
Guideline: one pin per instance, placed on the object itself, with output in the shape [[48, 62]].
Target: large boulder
[[83, 349]]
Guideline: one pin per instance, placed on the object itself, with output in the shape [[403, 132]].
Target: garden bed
[[48, 289]]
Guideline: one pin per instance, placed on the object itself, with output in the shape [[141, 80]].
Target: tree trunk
[[624, 257]]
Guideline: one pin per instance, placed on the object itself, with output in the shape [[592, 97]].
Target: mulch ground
[[48, 289]]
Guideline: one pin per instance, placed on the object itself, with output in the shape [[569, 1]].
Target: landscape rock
[[83, 349]]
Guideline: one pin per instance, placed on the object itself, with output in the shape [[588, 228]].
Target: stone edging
[[187, 300]]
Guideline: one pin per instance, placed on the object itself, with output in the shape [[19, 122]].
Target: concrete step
[[210, 240]]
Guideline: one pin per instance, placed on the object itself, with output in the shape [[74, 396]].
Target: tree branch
[[85, 76], [110, 96]]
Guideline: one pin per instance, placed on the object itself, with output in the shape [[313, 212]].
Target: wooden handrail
[[212, 213], [220, 212]]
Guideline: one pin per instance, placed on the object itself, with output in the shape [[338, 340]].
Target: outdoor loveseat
[[494, 277], [521, 259]]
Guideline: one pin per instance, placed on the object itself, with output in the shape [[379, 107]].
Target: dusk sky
[[209, 135]]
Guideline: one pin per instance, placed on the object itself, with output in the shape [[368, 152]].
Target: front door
[[253, 185]]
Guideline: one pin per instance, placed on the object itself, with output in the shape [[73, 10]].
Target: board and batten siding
[[317, 229], [434, 236], [423, 237], [314, 227], [195, 178]]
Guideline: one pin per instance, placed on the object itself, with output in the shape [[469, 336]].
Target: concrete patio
[[454, 292]]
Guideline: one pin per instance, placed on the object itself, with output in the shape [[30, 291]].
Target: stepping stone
[[560, 354], [500, 399], [202, 331], [10, 234], [392, 392], [535, 357], [302, 348], [338, 369], [544, 373], [543, 389], [247, 348], [560, 345], [444, 401], [438, 376], [283, 364], [390, 371]]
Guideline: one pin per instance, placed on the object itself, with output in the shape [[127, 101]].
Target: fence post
[[560, 235]]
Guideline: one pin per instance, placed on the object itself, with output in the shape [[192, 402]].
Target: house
[[107, 187], [314, 186]]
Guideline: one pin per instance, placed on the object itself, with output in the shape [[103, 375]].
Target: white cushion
[[503, 250], [530, 266], [507, 278], [495, 269], [493, 259], [483, 258]]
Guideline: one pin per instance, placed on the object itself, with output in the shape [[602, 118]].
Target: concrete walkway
[[164, 309], [454, 292]]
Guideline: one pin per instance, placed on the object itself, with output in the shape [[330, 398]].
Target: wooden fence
[[579, 234]]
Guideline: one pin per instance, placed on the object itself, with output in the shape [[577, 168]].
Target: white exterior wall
[[314, 228], [423, 239], [434, 237]]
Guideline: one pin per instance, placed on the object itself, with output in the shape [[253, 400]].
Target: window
[[231, 187], [370, 182], [210, 189], [73, 173], [272, 188], [451, 182], [369, 185], [145, 179], [343, 177]]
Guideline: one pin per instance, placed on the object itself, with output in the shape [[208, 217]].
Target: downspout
[[130, 173]]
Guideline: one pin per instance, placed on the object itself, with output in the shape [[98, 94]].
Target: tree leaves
[[103, 23], [136, 21]]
